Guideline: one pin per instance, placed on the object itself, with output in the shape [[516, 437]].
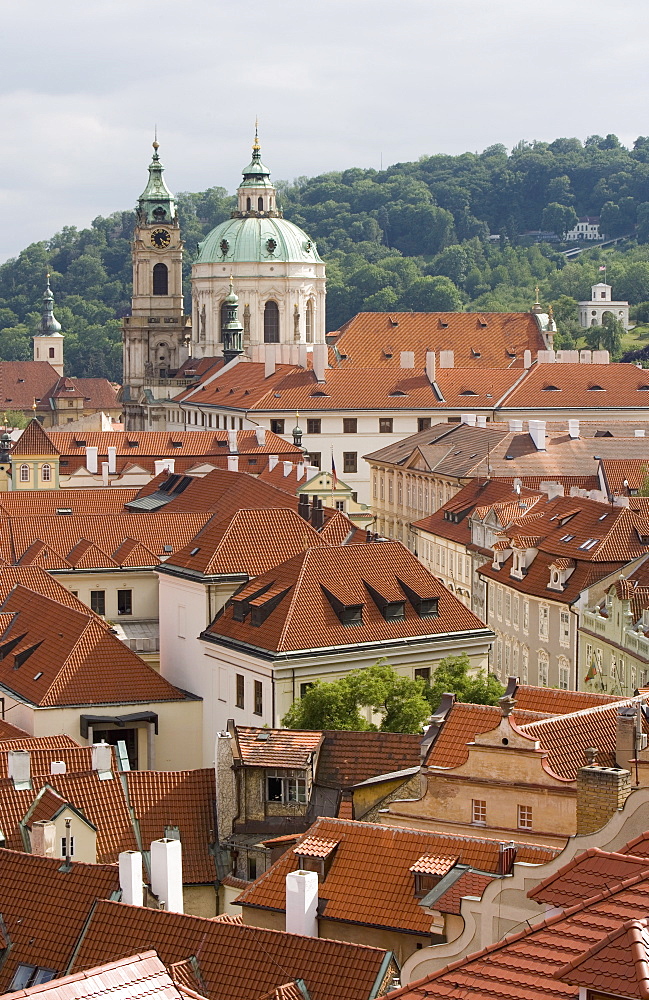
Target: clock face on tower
[[160, 238]]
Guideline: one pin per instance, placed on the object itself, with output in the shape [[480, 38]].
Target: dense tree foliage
[[414, 236], [454, 675]]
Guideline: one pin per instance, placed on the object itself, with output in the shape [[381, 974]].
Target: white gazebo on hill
[[592, 313]]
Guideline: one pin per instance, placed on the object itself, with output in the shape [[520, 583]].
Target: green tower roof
[[156, 203], [257, 239]]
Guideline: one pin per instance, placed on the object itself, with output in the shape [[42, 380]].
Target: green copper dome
[[255, 239]]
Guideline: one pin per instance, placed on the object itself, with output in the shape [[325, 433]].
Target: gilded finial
[[255, 146], [536, 301], [156, 144]]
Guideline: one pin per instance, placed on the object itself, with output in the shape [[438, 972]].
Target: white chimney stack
[[167, 873], [320, 354], [481, 419], [260, 434], [112, 460], [537, 433], [232, 442], [102, 757], [447, 359], [302, 355], [468, 418], [527, 359], [515, 426], [19, 768], [164, 465], [302, 903], [288, 468], [130, 877], [104, 474], [585, 357], [639, 433], [233, 463], [58, 767], [272, 462], [407, 359], [91, 460], [311, 471], [300, 471], [601, 358], [269, 363], [430, 366], [573, 429], [43, 838]]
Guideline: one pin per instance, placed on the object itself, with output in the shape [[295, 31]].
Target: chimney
[[537, 433], [481, 420], [407, 359], [546, 357], [272, 462], [601, 358], [233, 463], [515, 426], [91, 460], [102, 758], [299, 470], [585, 357], [573, 429], [43, 838], [601, 792], [167, 874], [104, 474], [288, 468], [112, 460], [232, 443], [130, 877], [639, 433], [527, 359], [446, 359], [19, 768], [506, 857], [468, 418], [551, 489], [260, 434], [303, 508], [311, 471], [430, 366], [269, 364], [58, 767], [302, 903], [302, 355], [320, 361], [164, 465], [626, 724]]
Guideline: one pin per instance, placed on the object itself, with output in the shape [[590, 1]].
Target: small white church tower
[[592, 313], [48, 342]]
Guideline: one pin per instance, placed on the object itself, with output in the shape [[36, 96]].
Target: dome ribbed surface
[[257, 239]]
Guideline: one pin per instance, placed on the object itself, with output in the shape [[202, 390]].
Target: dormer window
[[315, 854], [349, 612], [429, 870]]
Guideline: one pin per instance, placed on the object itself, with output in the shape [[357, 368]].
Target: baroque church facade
[[257, 269]]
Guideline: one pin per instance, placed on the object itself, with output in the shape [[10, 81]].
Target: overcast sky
[[336, 83]]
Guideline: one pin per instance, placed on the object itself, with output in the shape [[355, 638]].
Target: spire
[[156, 203], [231, 330], [256, 174], [49, 323]]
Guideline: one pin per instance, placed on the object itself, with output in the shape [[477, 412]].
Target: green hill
[[413, 236]]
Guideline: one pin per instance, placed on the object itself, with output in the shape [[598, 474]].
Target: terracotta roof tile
[[186, 799], [465, 721], [470, 883], [370, 879], [591, 387], [35, 503], [34, 441], [584, 876], [434, 864], [305, 618], [619, 963], [315, 847], [346, 758], [132, 978], [44, 909], [234, 960], [277, 747], [497, 339], [554, 701]]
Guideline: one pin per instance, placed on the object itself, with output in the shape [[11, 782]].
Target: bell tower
[[156, 334]]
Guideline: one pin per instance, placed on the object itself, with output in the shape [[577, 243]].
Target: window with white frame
[[499, 603], [543, 668], [544, 621], [499, 656], [515, 656], [285, 785], [46, 472], [524, 817], [564, 628], [508, 657], [525, 662], [515, 609], [526, 616], [564, 673], [508, 606], [479, 812], [24, 473]]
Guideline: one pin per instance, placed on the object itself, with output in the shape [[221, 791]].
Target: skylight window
[[567, 538], [589, 544], [602, 517], [195, 551]]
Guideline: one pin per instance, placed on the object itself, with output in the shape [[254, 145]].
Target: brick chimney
[[43, 838], [601, 792]]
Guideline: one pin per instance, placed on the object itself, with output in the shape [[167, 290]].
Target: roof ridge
[[592, 710]]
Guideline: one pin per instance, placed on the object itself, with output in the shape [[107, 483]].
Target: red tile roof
[[465, 721], [619, 963], [25, 503], [489, 339], [469, 883], [186, 799], [347, 758], [127, 979], [584, 875], [567, 386], [303, 617], [434, 864], [44, 909], [233, 960], [34, 441], [277, 747], [554, 701], [315, 847], [370, 879], [74, 658]]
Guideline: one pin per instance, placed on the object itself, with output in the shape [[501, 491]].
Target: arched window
[[224, 316], [260, 204], [24, 473], [160, 279], [248, 204], [309, 321], [46, 473], [51, 352], [271, 323]]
